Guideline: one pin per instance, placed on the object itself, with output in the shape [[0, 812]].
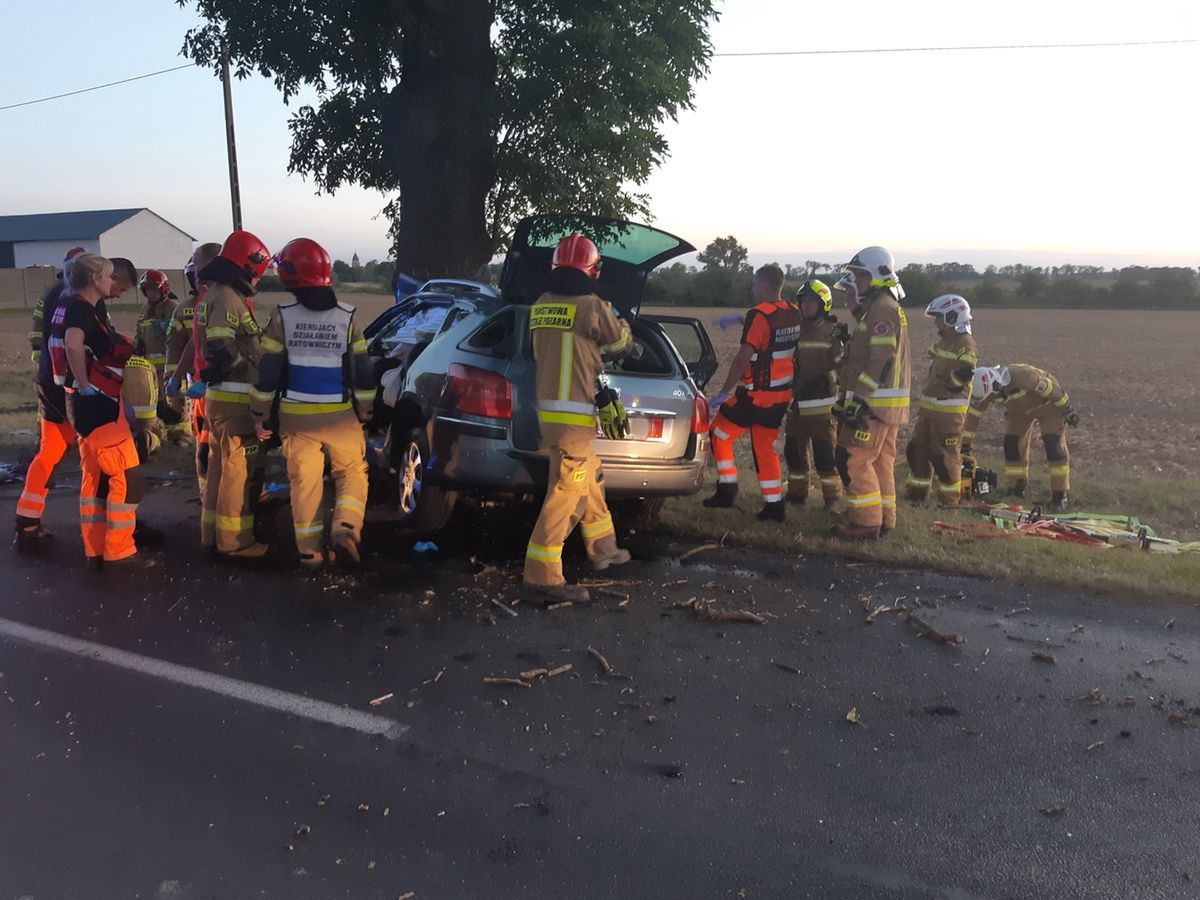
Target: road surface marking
[[271, 698]]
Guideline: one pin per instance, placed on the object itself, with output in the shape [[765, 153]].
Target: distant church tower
[[354, 261]]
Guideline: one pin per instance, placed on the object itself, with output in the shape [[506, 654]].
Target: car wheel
[[642, 512], [425, 506]]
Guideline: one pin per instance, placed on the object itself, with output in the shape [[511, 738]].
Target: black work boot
[[1059, 502], [772, 512], [725, 496], [32, 538]]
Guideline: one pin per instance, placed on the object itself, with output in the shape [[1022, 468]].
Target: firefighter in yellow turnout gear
[[1029, 395], [315, 375], [935, 447], [810, 421], [875, 400], [231, 341], [573, 330], [154, 320]]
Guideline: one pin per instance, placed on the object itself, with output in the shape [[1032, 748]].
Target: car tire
[[642, 512], [421, 505]]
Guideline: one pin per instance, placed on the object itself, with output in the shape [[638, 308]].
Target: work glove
[[841, 331], [965, 373], [614, 421], [838, 410], [856, 413], [1072, 418], [715, 404], [35, 356], [171, 388], [730, 320], [197, 390]]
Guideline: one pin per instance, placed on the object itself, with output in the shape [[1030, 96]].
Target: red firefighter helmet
[[248, 253], [577, 252], [156, 279], [303, 263]]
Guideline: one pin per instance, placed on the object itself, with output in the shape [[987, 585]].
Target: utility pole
[[235, 192]]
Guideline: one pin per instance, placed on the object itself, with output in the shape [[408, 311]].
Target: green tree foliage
[[474, 112], [724, 253]]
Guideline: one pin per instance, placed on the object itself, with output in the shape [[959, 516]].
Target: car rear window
[[497, 337]]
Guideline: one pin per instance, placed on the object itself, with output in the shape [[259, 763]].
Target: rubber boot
[[725, 496], [560, 593], [254, 551], [772, 512], [1059, 502], [856, 532], [796, 495], [32, 539], [136, 563], [615, 557]]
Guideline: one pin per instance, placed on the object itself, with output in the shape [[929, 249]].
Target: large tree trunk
[[440, 136]]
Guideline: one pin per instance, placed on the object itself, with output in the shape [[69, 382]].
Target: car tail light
[[482, 393], [700, 416], [654, 428]]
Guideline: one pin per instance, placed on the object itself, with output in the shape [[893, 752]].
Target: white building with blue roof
[[141, 235]]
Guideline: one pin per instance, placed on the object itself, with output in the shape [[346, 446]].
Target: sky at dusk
[[1041, 156]]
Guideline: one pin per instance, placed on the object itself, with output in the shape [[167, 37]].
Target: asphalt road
[[716, 761]]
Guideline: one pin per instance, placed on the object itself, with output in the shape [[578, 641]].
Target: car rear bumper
[[473, 456]]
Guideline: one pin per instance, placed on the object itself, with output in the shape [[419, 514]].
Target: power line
[[969, 47], [97, 87], [965, 47]]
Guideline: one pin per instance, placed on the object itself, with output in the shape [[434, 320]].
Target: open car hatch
[[630, 251]]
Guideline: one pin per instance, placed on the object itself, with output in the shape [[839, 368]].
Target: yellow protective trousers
[[935, 450], [308, 441], [574, 495], [232, 487], [867, 457]]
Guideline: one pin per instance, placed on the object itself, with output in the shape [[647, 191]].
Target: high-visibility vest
[[317, 341]]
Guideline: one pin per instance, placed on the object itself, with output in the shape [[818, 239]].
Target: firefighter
[[154, 321], [95, 355], [573, 332], [763, 372], [231, 342], [316, 387], [57, 433], [186, 352], [810, 421], [1028, 395], [875, 394], [935, 445]]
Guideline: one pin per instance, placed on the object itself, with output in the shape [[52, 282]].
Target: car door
[[692, 343]]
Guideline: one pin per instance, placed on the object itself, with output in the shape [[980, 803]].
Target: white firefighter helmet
[[879, 264], [988, 380], [954, 310]]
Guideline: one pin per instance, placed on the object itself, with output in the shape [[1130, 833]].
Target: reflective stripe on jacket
[[878, 368], [944, 391], [570, 333]]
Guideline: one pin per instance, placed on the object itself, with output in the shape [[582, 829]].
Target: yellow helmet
[[819, 289]]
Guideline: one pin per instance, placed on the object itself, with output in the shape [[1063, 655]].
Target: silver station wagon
[[463, 413]]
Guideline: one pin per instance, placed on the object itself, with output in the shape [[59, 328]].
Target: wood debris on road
[[501, 605], [381, 700], [927, 631], [703, 548], [511, 682], [605, 665]]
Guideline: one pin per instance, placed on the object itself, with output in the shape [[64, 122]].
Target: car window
[[496, 337], [648, 357]]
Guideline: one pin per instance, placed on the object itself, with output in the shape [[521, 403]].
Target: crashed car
[[463, 411]]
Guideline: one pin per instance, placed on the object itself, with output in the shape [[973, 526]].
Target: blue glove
[[89, 391], [716, 403], [171, 389], [730, 320], [197, 390]]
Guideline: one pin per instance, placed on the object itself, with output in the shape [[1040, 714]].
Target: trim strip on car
[[475, 429]]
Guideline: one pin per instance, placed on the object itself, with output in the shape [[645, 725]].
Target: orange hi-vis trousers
[[56, 438], [107, 500], [734, 419], [867, 457]]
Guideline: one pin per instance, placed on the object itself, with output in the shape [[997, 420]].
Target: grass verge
[[1170, 506]]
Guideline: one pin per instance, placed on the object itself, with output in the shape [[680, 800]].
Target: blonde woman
[[90, 355]]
